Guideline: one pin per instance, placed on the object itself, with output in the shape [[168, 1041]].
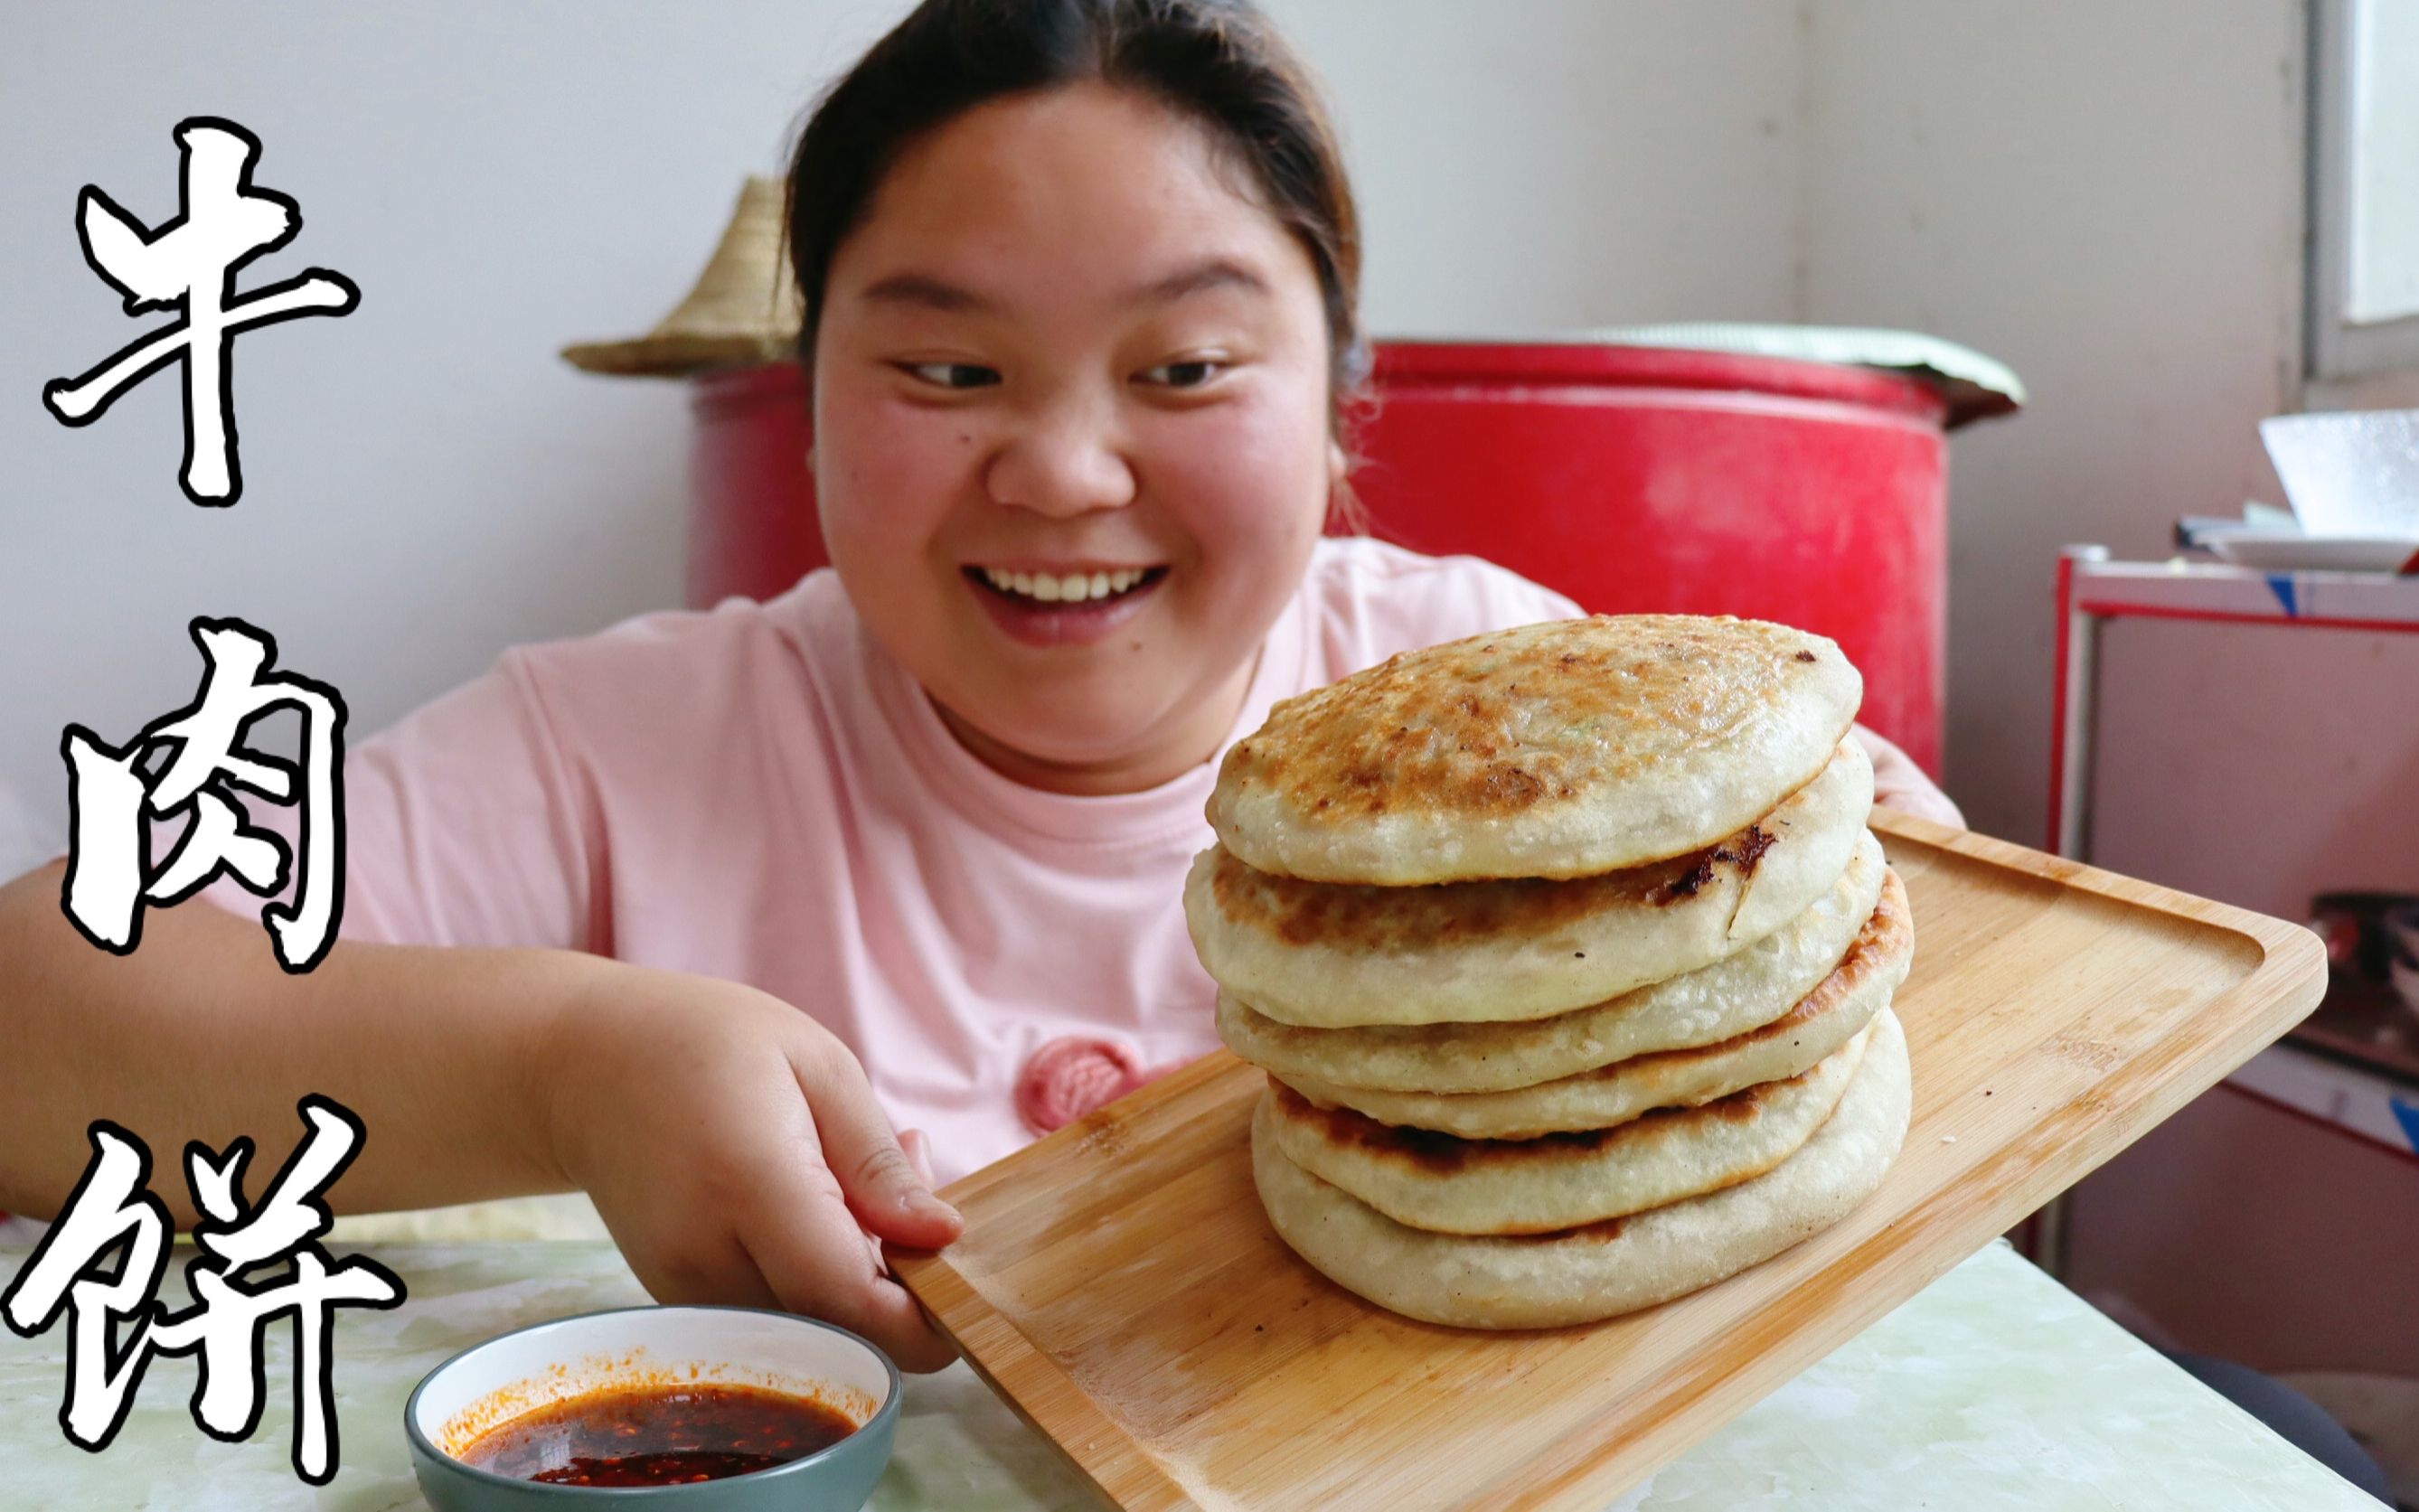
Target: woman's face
[[1071, 432]]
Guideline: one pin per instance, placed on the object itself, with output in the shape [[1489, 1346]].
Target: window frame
[[2340, 347]]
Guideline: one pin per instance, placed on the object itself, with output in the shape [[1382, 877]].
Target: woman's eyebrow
[[930, 292], [933, 293], [1215, 272]]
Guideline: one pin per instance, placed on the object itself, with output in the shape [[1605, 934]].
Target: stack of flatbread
[[1569, 955]]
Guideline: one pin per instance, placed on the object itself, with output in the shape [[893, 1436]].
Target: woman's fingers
[[817, 1261], [919, 1153], [715, 1272], [1927, 803], [802, 1253], [881, 1185], [726, 1148], [1899, 782]]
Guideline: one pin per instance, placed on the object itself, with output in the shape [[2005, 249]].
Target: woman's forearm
[[200, 1035]]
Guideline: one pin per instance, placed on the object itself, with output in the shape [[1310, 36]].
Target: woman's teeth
[[1073, 588]]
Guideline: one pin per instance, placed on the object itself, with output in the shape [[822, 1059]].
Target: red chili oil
[[657, 1436]]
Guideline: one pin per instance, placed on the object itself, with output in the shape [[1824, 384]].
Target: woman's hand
[[737, 1154], [1901, 784]]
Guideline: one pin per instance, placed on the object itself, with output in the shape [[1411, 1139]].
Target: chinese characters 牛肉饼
[[114, 1205], [110, 878], [224, 221]]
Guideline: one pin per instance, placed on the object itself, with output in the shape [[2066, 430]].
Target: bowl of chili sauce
[[698, 1409]]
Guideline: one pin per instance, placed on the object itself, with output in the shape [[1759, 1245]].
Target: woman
[[690, 915]]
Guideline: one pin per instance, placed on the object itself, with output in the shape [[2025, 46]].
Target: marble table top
[[1994, 1389]]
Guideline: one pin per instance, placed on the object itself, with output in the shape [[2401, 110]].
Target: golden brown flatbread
[[1748, 987], [1582, 1274], [1818, 1023], [1449, 1185], [1328, 956], [1563, 749]]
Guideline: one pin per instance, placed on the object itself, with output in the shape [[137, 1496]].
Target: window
[[2364, 275]]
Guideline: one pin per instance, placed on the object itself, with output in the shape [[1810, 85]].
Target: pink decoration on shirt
[[1074, 1075]]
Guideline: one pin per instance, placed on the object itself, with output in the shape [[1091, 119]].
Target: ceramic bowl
[[492, 1383]]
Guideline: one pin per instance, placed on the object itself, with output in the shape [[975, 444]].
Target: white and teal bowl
[[489, 1383]]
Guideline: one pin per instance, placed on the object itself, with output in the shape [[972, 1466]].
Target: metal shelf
[[2210, 591], [2092, 590], [2350, 1101], [2354, 1063], [2359, 1024]]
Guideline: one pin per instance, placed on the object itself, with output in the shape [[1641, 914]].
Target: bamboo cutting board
[[1119, 1286]]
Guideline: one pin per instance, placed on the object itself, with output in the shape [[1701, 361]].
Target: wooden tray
[[1119, 1286]]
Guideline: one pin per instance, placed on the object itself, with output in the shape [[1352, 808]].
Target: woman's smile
[[1062, 604]]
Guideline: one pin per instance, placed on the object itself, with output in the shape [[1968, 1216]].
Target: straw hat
[[743, 311]]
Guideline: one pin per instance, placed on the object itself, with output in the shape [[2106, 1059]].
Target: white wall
[[1558, 165], [2110, 198], [426, 483], [423, 482]]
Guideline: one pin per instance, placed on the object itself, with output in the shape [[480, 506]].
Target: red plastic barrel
[[1630, 478]]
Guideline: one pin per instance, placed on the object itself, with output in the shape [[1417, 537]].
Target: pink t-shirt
[[760, 793]]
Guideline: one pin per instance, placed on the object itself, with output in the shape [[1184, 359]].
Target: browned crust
[[1366, 918], [1444, 1154], [1603, 1231], [1888, 935], [1488, 727]]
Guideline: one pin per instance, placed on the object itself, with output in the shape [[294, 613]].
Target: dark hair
[[1216, 61]]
